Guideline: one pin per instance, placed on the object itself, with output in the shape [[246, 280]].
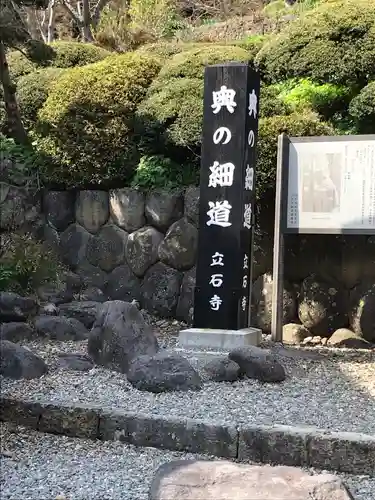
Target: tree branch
[[71, 11], [95, 16]]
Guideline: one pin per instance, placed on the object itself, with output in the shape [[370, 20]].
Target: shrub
[[362, 109], [295, 124], [19, 65], [157, 17], [164, 50], [332, 43], [71, 54], [32, 92], [86, 123], [161, 172], [26, 263], [252, 44]]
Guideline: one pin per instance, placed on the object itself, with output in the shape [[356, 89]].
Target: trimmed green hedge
[[71, 54], [332, 43], [19, 65], [32, 92], [86, 123], [362, 109]]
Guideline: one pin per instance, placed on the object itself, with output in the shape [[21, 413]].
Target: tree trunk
[[51, 22], [86, 22], [14, 121]]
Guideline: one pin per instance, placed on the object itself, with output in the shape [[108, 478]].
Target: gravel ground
[[46, 467], [336, 392]]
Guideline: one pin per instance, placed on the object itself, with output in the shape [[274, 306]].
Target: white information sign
[[331, 185]]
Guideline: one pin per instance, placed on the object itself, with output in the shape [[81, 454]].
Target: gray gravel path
[[337, 393], [46, 467]]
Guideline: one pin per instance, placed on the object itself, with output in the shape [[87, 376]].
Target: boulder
[[191, 205], [258, 364], [107, 249], [224, 480], [93, 294], [85, 311], [55, 294], [92, 209], [222, 369], [262, 303], [160, 289], [343, 337], [59, 210], [15, 331], [74, 361], [163, 208], [141, 249], [91, 276], [13, 307], [18, 362], [123, 284], [294, 333], [60, 328], [119, 335], [179, 247], [322, 307], [362, 311], [73, 243], [51, 237], [185, 306], [127, 208], [163, 372], [13, 208], [72, 280]]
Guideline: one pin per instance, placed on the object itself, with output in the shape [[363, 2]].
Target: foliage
[[71, 54], [362, 109], [332, 43], [167, 49], [26, 263], [295, 125], [160, 172], [191, 64], [32, 92], [252, 44], [19, 65], [86, 123], [157, 17]]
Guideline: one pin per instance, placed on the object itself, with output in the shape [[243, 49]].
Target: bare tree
[[86, 16]]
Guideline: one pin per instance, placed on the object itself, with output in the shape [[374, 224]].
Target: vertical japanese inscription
[[226, 196]]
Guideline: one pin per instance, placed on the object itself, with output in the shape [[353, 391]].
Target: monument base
[[225, 340]]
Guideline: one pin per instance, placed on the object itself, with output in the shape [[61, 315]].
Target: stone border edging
[[283, 445]]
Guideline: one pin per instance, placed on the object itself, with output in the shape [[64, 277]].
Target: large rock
[[60, 328], [262, 303], [322, 307], [224, 480], [93, 294], [222, 369], [92, 209], [55, 294], [73, 243], [15, 331], [127, 208], [13, 208], [185, 306], [258, 364], [58, 207], [294, 333], [163, 208], [191, 204], [107, 249], [163, 372], [18, 362], [160, 289], [179, 247], [123, 284], [13, 307], [343, 337], [362, 311], [141, 249], [85, 311], [74, 361], [51, 237], [91, 275], [119, 335]]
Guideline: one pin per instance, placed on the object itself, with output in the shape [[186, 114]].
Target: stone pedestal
[[225, 340]]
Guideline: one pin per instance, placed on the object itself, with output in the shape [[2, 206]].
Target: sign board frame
[[281, 213]]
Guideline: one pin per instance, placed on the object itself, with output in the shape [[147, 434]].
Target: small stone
[[343, 337], [74, 361], [93, 294], [49, 310], [324, 341], [294, 333], [258, 364], [15, 331], [316, 340], [222, 369], [307, 340], [163, 372], [18, 362]]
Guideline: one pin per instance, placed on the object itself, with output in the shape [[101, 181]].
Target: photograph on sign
[[331, 184]]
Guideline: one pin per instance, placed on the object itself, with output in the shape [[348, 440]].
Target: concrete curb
[[283, 445]]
